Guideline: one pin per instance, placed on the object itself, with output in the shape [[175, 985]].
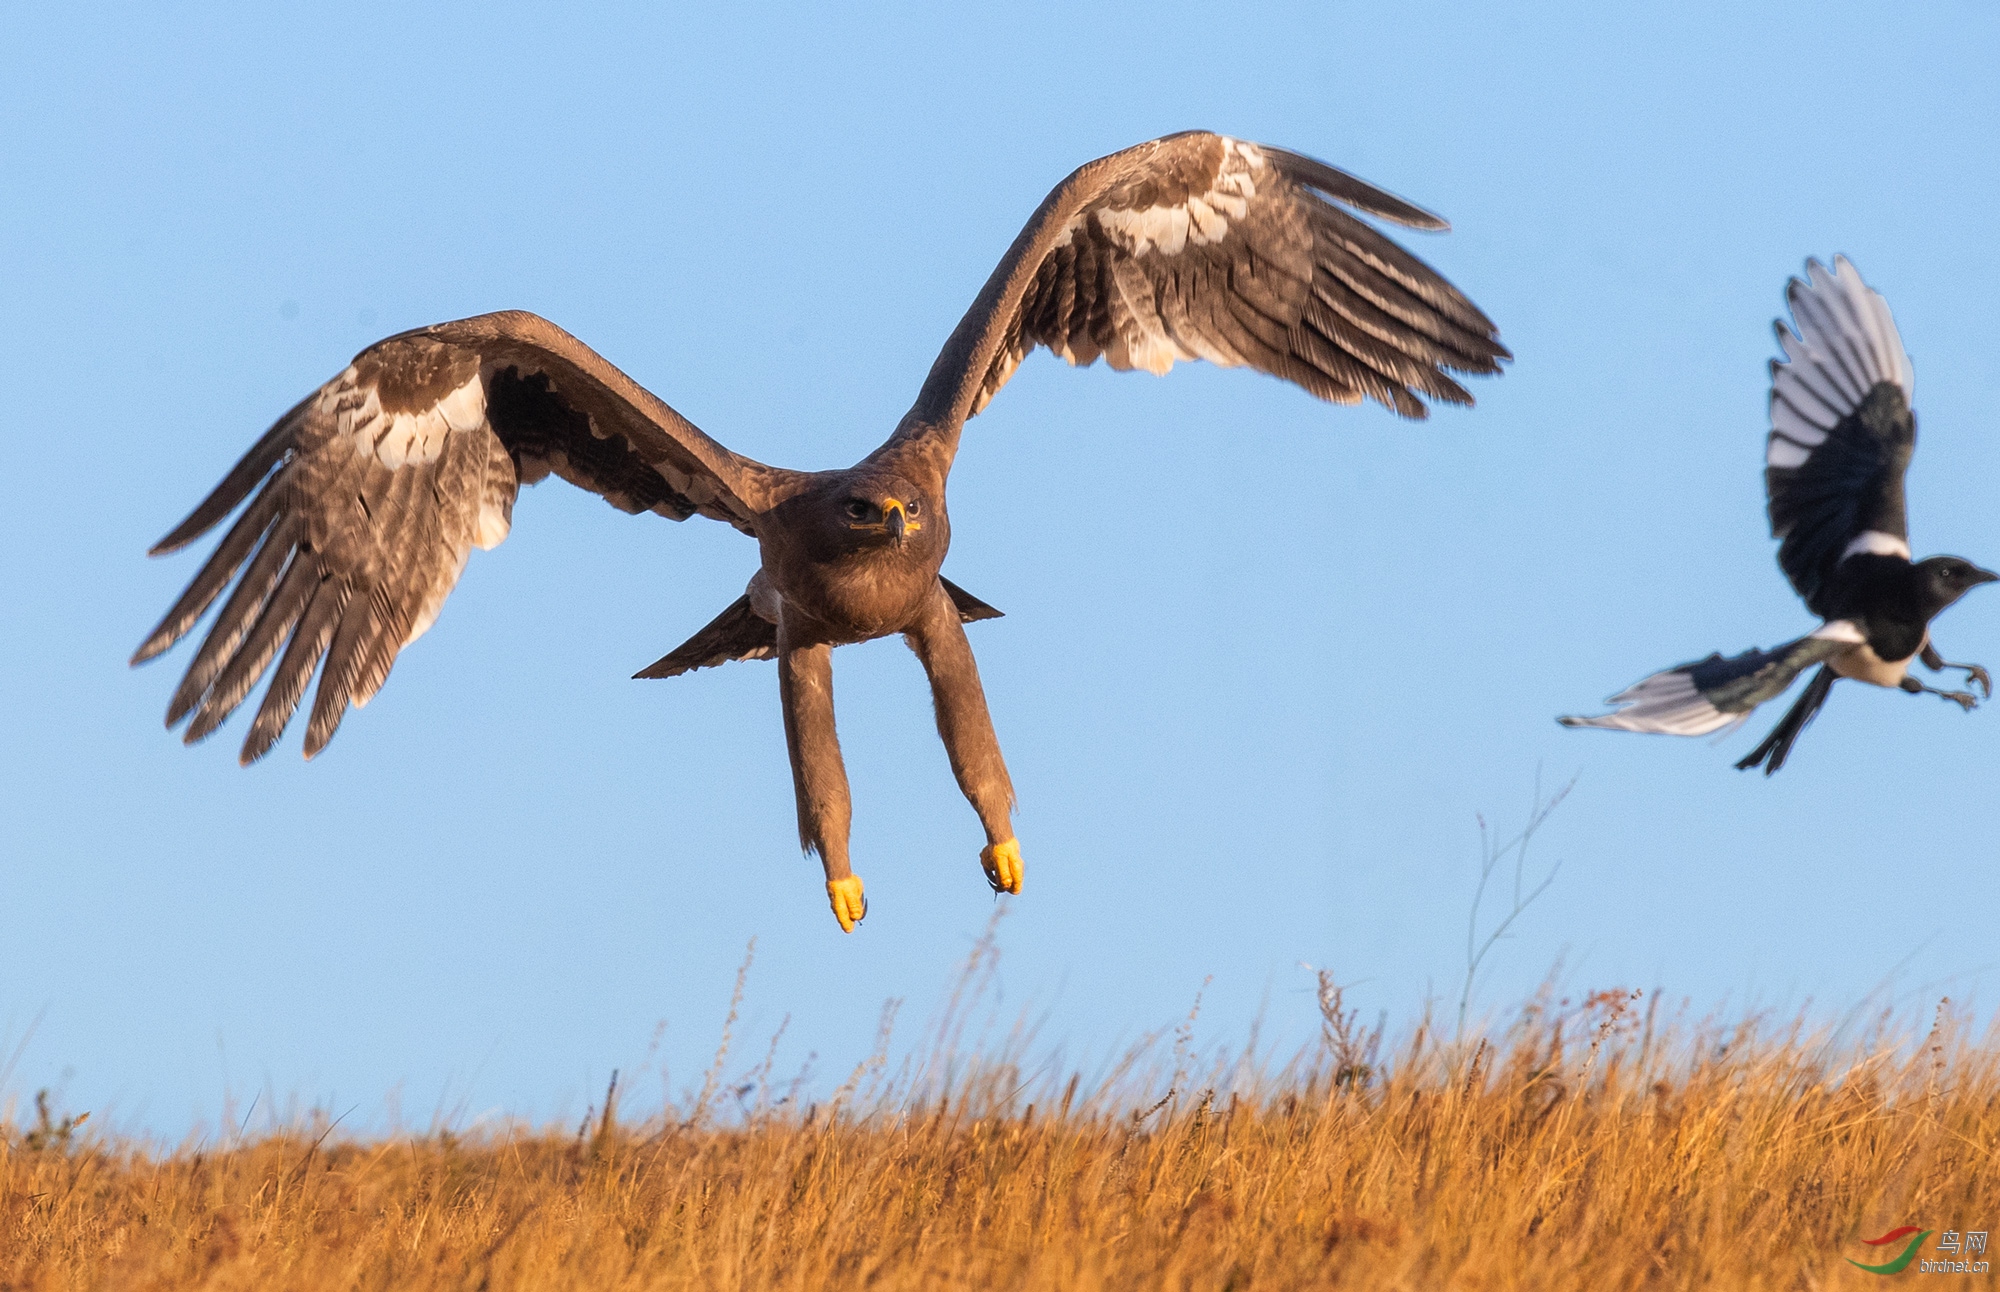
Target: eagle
[[361, 505], [1841, 437]]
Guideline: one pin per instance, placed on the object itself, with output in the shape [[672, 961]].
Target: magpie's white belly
[[1861, 663]]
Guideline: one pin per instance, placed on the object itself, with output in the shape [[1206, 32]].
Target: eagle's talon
[[850, 904], [1002, 864]]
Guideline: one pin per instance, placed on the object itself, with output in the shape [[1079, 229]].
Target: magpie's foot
[[1002, 863], [850, 906], [1975, 674], [1965, 700]]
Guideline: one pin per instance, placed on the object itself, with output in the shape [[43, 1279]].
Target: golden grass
[[1594, 1146]]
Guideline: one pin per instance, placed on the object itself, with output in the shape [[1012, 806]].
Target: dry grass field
[[1602, 1143]]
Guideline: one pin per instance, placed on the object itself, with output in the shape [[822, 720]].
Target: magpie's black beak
[[1980, 576]]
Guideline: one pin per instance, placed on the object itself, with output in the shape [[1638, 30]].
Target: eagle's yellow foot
[[849, 906], [1002, 862]]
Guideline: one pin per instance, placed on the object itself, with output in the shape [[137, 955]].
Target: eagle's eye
[[915, 507], [858, 509]]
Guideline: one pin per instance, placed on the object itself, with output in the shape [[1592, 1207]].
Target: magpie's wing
[[1695, 699], [1841, 429], [1198, 246], [367, 497]]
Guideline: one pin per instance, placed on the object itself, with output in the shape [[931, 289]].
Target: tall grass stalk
[[1609, 1143]]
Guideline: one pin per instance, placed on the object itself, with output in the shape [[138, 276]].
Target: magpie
[[1842, 432]]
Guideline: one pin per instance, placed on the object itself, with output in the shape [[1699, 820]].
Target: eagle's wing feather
[[1842, 429], [367, 497], [1197, 246]]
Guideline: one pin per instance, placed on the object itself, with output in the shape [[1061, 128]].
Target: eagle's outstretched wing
[[370, 494], [1198, 246], [1841, 429]]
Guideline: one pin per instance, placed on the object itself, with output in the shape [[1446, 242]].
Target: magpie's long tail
[[1779, 743]]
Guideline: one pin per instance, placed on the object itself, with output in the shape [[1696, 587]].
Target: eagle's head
[[889, 511]]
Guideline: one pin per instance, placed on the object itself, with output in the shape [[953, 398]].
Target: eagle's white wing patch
[[1141, 338], [403, 438], [417, 438], [1198, 246], [1203, 219]]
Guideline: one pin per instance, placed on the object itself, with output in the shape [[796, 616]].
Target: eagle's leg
[[819, 778], [1974, 673], [1963, 699], [938, 638]]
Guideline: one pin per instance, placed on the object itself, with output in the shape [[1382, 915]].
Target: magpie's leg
[[1963, 699], [938, 638], [1778, 744], [1975, 675], [819, 777]]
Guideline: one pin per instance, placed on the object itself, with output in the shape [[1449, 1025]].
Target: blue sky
[[1264, 659]]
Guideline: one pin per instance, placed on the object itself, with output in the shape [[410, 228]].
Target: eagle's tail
[[737, 633], [741, 633]]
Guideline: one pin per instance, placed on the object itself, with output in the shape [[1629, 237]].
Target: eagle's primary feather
[[365, 500]]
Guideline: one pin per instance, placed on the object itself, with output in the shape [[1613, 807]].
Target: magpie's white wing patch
[[1844, 345], [1842, 430], [1845, 631], [1874, 542]]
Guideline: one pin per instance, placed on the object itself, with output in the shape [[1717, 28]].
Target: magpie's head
[[1947, 578]]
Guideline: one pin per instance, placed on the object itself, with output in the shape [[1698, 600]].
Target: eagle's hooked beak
[[896, 520]]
